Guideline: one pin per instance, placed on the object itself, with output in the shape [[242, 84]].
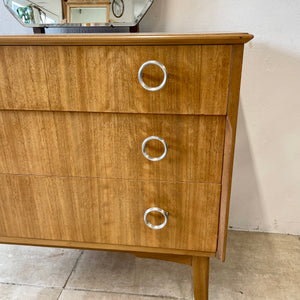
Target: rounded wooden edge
[[125, 39]]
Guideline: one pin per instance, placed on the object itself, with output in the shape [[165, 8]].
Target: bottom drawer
[[110, 211]]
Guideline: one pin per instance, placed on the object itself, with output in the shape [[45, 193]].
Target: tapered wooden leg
[[200, 277]]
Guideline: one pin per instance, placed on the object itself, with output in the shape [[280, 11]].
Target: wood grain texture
[[233, 104], [127, 39], [109, 145], [104, 247], [109, 211], [64, 9], [23, 79], [224, 204], [200, 277], [105, 79], [79, 115]]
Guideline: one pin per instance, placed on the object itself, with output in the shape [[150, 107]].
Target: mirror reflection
[[62, 13]]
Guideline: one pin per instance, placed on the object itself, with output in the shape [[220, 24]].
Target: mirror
[[75, 13]]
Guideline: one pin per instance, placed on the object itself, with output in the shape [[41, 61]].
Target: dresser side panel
[[232, 114]]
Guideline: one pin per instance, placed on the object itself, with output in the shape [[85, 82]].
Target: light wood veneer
[[127, 39], [109, 145], [109, 211], [104, 79], [73, 117]]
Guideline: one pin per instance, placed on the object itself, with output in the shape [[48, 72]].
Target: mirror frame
[[39, 27]]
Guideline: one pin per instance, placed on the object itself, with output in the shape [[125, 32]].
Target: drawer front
[[105, 78], [110, 145], [109, 211]]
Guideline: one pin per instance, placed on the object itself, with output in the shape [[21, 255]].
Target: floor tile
[[258, 266], [163, 278], [123, 273], [104, 271], [21, 292], [48, 267], [84, 295]]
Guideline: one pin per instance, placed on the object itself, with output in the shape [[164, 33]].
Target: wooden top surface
[[126, 39]]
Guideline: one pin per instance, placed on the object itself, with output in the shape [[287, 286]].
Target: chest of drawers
[[120, 142]]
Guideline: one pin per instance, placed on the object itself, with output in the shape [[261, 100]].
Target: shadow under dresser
[[121, 143]]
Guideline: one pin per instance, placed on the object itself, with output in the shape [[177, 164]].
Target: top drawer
[[105, 78]]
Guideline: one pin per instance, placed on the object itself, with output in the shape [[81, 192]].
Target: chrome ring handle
[[164, 213], [140, 76], [158, 139]]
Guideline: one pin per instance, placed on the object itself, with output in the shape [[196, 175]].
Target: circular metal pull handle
[[164, 213], [158, 139], [140, 75]]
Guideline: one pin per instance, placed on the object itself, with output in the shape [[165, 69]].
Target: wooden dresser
[[121, 143]]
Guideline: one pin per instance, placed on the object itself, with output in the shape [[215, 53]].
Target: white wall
[[9, 25], [266, 182], [266, 187]]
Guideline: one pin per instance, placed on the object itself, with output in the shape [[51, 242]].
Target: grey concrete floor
[[258, 266]]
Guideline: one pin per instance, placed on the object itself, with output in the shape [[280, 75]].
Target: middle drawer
[[110, 145]]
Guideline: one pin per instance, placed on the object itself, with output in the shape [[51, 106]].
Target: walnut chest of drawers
[[121, 143]]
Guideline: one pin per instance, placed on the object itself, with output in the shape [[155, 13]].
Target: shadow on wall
[[157, 16], [246, 210], [265, 190]]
